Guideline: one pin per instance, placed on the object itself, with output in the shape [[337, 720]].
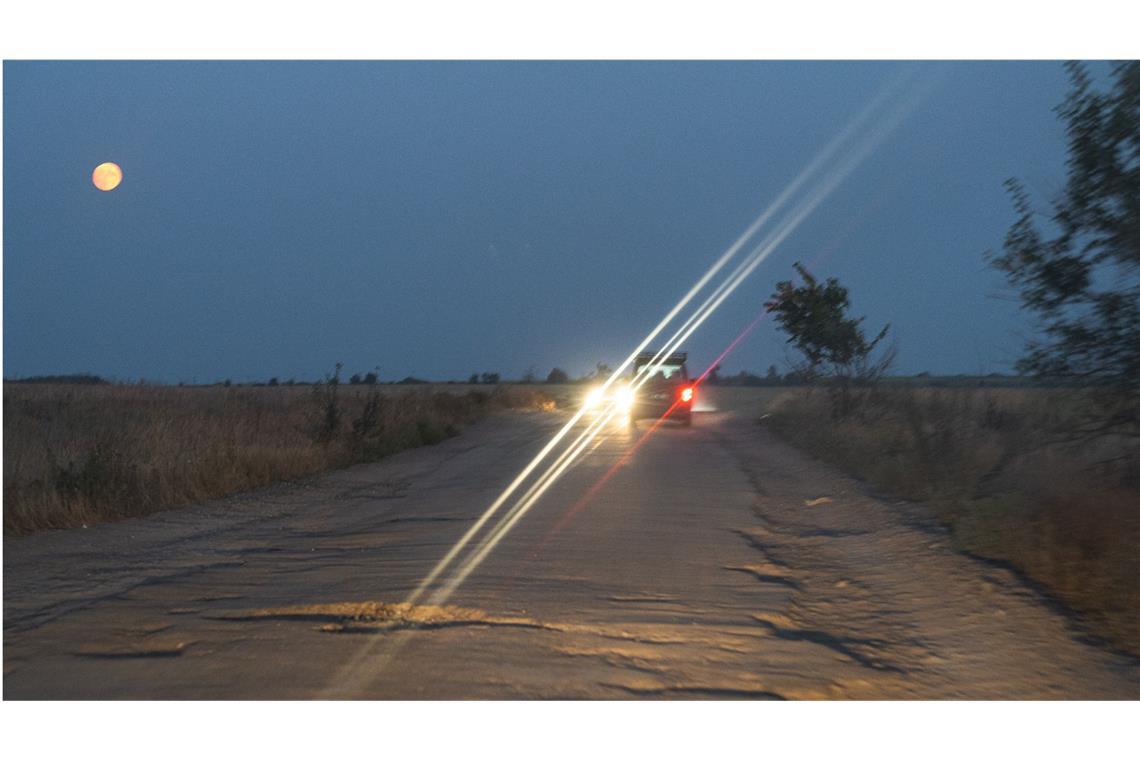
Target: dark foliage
[[833, 345], [1081, 279]]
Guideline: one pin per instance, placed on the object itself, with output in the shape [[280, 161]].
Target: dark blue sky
[[438, 219]]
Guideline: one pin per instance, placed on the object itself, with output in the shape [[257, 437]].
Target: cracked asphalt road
[[718, 562]]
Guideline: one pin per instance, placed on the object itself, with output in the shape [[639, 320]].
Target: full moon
[[107, 176]]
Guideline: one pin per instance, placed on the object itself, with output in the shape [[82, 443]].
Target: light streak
[[828, 185], [718, 296], [849, 160], [509, 522], [810, 170], [628, 453]]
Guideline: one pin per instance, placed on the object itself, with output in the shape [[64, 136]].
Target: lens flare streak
[[852, 158], [849, 149]]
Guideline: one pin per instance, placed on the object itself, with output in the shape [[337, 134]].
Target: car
[[662, 387], [658, 387]]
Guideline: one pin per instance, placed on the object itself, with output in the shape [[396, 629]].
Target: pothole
[[352, 617], [134, 650]]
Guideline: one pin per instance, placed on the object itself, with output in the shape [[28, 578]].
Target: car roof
[[678, 357]]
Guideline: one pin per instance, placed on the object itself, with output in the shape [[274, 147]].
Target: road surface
[[715, 562]]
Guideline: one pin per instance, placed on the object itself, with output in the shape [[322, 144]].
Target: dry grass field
[[991, 465], [984, 461], [79, 454]]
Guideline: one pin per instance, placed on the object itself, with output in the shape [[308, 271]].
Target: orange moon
[[107, 176]]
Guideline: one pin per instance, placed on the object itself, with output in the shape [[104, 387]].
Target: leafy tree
[[834, 347], [474, 379], [1081, 278], [371, 378], [490, 378], [356, 379], [773, 375], [272, 381], [557, 376]]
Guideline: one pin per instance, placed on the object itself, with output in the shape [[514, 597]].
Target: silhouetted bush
[[815, 318]]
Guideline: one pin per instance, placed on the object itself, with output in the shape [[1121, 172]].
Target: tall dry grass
[[994, 466], [76, 455]]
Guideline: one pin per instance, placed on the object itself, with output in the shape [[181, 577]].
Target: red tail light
[[687, 394]]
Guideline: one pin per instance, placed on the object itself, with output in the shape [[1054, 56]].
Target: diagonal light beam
[[756, 256], [796, 217], [805, 174]]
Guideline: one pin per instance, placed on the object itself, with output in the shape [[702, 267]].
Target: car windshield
[[664, 372]]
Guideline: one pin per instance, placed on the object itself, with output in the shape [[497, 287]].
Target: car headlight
[[624, 398], [593, 399]]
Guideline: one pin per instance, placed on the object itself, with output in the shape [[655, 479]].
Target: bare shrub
[[326, 414]]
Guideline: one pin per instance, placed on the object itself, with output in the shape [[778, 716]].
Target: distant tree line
[[77, 379]]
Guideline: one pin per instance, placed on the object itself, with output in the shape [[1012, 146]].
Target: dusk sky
[[439, 219]]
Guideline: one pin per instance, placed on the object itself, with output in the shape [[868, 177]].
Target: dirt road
[[717, 562]]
